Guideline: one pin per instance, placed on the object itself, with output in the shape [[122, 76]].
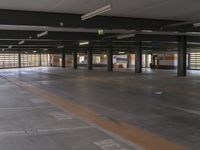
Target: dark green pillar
[[19, 58], [90, 58], [182, 56], [138, 57], [63, 58], [110, 59], [75, 65]]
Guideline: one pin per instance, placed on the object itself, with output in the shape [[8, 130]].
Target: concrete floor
[[156, 101]]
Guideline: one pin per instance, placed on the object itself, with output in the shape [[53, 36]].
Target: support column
[[146, 60], [110, 59], [189, 61], [128, 60], [63, 58], [40, 61], [19, 58], [138, 57], [90, 59], [182, 54], [75, 59]]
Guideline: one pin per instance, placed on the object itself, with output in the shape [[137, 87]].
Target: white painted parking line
[[8, 86], [61, 116], [44, 82], [41, 131], [37, 100], [109, 144], [11, 133], [31, 131], [24, 92], [196, 112], [24, 108], [63, 129], [159, 93]]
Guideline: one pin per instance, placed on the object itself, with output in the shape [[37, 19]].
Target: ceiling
[[155, 9], [24, 19]]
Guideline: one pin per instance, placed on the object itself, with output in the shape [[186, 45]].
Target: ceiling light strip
[[21, 42], [125, 36], [96, 12], [84, 43], [42, 34]]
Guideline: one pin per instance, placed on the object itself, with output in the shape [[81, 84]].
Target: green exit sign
[[101, 32]]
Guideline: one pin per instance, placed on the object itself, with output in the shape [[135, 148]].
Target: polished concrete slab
[[31, 123], [79, 139], [156, 101]]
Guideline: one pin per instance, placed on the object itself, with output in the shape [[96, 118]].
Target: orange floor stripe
[[145, 139]]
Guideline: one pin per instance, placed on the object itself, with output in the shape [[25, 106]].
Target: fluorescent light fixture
[[196, 33], [121, 52], [45, 49], [61, 46], [34, 51], [42, 34], [10, 46], [84, 43], [125, 36], [148, 31], [96, 12], [21, 42], [196, 24], [3, 50]]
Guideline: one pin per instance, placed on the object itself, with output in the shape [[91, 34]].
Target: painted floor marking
[[37, 100], [44, 82], [159, 93], [31, 131], [24, 108], [196, 112], [8, 86], [139, 136], [24, 92], [63, 129], [12, 133], [41, 131], [109, 144], [61, 116]]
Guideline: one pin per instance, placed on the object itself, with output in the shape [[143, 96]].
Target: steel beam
[[55, 38], [8, 17]]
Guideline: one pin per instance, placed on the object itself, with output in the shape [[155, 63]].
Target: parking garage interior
[[99, 75]]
